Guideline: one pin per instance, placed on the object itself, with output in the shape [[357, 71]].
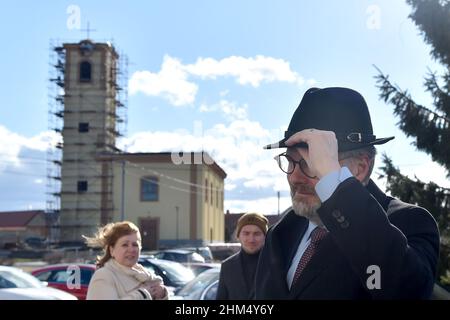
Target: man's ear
[[361, 167]]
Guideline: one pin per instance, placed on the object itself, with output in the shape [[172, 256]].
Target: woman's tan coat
[[116, 282]]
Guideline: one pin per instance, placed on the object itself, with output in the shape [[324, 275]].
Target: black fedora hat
[[340, 110]]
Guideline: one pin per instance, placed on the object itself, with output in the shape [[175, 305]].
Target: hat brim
[[343, 146]]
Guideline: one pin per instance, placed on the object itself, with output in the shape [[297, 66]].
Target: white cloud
[[236, 147], [12, 143], [228, 108], [230, 186], [170, 82], [247, 71], [173, 82]]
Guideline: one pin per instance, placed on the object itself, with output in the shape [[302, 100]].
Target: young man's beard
[[306, 209]]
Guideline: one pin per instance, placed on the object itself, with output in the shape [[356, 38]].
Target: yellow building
[[175, 199], [173, 203]]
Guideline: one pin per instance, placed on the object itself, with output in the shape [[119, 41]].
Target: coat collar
[[379, 195]]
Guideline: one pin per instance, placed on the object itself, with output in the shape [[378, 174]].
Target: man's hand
[[322, 153]]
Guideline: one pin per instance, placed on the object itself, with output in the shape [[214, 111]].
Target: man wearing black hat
[[237, 273], [344, 238]]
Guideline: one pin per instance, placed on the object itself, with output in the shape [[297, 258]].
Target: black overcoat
[[366, 229]]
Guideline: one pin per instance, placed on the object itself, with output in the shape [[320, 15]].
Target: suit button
[[336, 213], [345, 225]]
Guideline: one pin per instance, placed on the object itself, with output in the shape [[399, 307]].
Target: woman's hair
[[107, 236]]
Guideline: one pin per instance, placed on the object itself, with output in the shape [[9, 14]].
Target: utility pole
[[177, 209], [278, 194], [122, 209]]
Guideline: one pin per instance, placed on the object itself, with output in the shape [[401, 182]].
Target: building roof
[[168, 157], [17, 219]]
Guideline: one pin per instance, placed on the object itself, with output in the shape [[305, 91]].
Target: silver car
[[202, 287], [16, 284]]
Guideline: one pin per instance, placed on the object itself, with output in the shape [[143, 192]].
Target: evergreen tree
[[429, 126]]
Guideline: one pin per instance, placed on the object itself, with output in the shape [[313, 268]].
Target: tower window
[[83, 127], [149, 189], [85, 71], [82, 186]]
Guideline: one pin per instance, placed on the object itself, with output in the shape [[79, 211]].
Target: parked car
[[202, 287], [174, 274], [205, 252], [199, 267], [16, 284], [179, 255], [222, 251], [57, 276]]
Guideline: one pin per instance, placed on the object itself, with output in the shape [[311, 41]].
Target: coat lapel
[[320, 261], [286, 236]]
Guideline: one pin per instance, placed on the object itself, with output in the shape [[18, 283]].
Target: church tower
[[90, 103]]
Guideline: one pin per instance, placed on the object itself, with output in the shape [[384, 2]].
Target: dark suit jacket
[[232, 284], [366, 228]]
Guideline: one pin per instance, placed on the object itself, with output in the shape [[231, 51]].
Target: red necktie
[[316, 236]]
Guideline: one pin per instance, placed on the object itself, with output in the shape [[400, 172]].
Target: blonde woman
[[119, 276]]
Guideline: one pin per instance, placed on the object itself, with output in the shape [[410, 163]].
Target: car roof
[[159, 261], [206, 264], [7, 268], [182, 251], [65, 265]]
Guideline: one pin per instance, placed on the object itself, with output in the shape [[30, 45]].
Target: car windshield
[[193, 290], [18, 279], [175, 271]]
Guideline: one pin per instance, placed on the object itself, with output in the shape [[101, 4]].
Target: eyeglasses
[[287, 165]]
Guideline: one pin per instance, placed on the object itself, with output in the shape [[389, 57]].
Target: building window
[[82, 186], [83, 127], [149, 189], [212, 194], [85, 71], [206, 191], [217, 198]]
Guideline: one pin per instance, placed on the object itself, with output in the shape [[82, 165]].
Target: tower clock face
[[86, 48]]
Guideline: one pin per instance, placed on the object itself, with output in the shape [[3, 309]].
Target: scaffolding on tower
[[57, 60]]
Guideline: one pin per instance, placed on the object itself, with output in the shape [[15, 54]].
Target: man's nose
[[297, 176]]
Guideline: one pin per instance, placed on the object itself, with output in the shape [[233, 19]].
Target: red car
[[73, 278]]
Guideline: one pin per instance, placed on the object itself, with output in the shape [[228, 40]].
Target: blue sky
[[223, 76]]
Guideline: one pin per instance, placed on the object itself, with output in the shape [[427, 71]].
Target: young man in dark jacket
[[237, 273]]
